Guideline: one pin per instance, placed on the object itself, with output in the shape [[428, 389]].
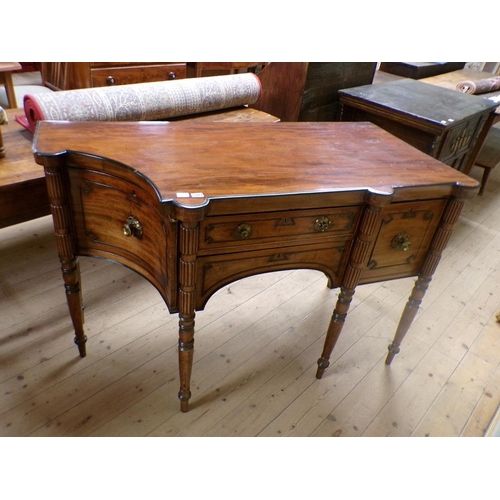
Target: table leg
[[187, 278], [359, 254], [71, 277], [54, 175], [429, 265], [408, 316]]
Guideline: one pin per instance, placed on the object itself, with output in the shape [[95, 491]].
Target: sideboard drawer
[[405, 234], [215, 271], [102, 77], [284, 228]]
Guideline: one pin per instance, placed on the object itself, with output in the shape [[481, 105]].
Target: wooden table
[[443, 123], [193, 207], [23, 193]]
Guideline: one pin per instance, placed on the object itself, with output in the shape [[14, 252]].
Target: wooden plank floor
[[256, 348]]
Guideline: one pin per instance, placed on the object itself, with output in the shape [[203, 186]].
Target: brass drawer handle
[[243, 231], [401, 242], [322, 224], [132, 227]]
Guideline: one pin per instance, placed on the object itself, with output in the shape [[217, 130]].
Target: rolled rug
[[142, 101], [479, 86]]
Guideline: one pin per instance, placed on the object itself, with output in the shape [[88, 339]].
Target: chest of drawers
[[82, 75], [195, 206]]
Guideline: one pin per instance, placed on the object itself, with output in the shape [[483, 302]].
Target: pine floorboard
[[256, 348]]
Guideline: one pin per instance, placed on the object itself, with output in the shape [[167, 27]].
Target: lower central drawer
[[216, 271], [235, 233]]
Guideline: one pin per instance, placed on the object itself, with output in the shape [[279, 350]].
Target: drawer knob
[[132, 227], [401, 242], [322, 224], [172, 75], [243, 231], [110, 80]]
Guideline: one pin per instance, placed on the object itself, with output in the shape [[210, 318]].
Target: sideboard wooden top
[[227, 160]]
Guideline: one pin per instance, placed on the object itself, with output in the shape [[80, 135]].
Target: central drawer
[[216, 271], [239, 233]]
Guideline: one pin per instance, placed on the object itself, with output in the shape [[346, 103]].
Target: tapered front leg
[[409, 313], [334, 330], [359, 254], [71, 277], [65, 239], [186, 351], [429, 266], [187, 280]]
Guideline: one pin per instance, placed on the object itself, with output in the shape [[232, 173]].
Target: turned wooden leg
[[408, 316], [186, 350], [429, 266], [71, 276], [187, 281], [358, 255], [334, 330], [55, 178]]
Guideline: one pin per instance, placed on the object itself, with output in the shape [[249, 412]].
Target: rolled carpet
[[479, 86], [142, 101]]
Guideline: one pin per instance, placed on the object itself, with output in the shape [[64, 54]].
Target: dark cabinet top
[[422, 101]]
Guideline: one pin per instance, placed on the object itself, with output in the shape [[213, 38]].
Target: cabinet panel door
[[406, 231]]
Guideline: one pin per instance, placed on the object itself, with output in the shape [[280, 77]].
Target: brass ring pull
[[132, 227], [322, 224], [243, 231], [401, 242]]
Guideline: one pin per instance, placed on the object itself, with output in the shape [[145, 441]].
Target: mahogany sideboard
[[193, 207]]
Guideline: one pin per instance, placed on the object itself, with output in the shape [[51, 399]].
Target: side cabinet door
[[405, 233], [119, 219]]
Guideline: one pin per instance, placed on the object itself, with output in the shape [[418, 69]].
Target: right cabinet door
[[405, 234]]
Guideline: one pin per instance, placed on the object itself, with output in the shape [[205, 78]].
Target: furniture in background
[[443, 123], [23, 194], [489, 158], [196, 69], [82, 75], [6, 70], [308, 91], [418, 70], [347, 199], [489, 155]]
